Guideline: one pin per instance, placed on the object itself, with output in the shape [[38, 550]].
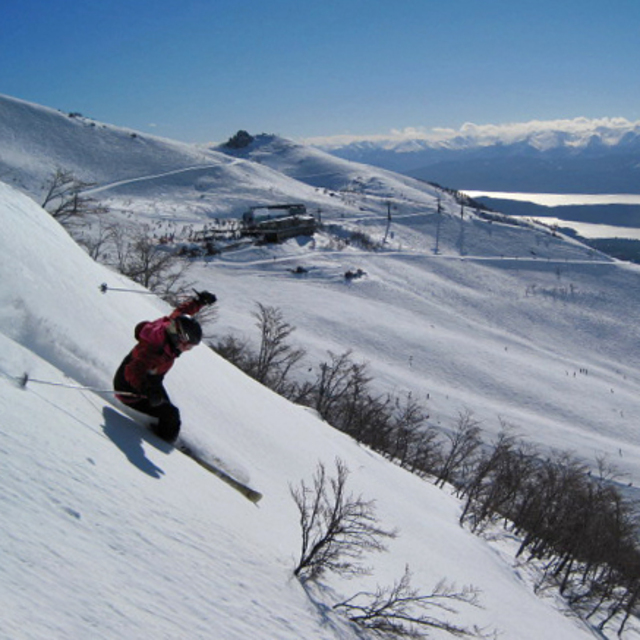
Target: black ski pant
[[167, 414]]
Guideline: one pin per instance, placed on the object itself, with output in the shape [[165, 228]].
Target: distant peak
[[240, 140]]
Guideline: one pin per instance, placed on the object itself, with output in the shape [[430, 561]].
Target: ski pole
[[104, 287], [25, 379]]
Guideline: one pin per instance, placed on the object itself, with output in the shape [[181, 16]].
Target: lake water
[[560, 199], [585, 229], [589, 230]]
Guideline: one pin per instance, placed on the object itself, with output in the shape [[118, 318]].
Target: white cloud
[[539, 132]]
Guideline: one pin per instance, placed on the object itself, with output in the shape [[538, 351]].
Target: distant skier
[[142, 371]]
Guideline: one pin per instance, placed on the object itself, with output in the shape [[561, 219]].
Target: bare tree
[[406, 431], [158, 269], [337, 527], [97, 243], [401, 611], [341, 387], [495, 484], [464, 442], [235, 351], [276, 357], [427, 456], [64, 200]]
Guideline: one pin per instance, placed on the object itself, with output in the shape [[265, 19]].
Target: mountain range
[[575, 156]]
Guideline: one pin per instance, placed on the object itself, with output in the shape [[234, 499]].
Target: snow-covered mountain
[[541, 134], [565, 156], [159, 177], [108, 534], [325, 171]]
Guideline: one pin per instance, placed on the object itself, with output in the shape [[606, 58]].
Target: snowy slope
[[158, 178], [106, 533], [36, 140], [521, 326], [319, 169], [134, 171], [480, 315], [514, 323]]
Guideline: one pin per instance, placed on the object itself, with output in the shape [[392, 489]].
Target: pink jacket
[[154, 355]]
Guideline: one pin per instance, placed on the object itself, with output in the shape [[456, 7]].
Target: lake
[[560, 199], [572, 200]]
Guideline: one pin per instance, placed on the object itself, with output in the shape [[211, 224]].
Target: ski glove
[[204, 297]]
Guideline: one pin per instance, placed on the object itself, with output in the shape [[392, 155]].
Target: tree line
[[576, 523]]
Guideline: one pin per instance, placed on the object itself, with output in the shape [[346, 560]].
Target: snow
[[108, 533]]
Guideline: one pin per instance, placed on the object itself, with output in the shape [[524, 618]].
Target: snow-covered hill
[[36, 140], [514, 323], [319, 169], [130, 170], [156, 178], [106, 533], [468, 289]]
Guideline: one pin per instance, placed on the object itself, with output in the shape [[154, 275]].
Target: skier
[[141, 373]]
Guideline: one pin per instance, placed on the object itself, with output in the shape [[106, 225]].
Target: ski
[[242, 488], [249, 493]]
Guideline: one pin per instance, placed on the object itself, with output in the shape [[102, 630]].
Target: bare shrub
[[406, 435], [427, 455], [573, 522], [401, 611], [99, 241], [235, 351], [495, 484], [139, 257], [276, 356], [273, 363], [364, 241], [64, 200], [341, 393], [464, 442], [338, 383], [337, 527]]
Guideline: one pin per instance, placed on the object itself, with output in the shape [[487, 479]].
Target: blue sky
[[199, 70]]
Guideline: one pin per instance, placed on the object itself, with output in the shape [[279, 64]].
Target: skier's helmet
[[187, 331]]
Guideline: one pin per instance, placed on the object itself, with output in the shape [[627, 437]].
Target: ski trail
[[151, 177]]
